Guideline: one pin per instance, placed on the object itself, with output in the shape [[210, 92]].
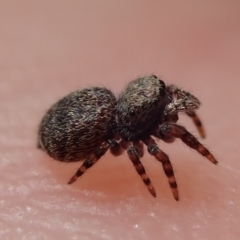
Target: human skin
[[50, 48]]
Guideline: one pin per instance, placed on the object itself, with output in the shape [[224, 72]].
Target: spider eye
[[132, 113]]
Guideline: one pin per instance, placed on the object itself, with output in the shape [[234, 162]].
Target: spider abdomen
[[76, 125]]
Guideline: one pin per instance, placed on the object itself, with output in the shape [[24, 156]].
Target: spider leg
[[197, 122], [90, 161], [134, 157], [116, 148], [125, 144], [174, 130], [139, 146], [154, 150]]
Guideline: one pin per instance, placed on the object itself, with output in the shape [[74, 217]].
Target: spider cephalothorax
[[86, 123]]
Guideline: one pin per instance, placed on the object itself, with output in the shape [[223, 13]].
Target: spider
[[88, 122]]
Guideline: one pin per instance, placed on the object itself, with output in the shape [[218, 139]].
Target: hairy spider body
[[76, 126], [86, 123]]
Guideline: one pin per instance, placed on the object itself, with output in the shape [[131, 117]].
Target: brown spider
[[86, 123]]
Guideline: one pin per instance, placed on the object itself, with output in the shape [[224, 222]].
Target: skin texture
[[51, 48]]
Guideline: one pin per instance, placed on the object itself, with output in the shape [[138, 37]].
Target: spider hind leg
[[90, 161]]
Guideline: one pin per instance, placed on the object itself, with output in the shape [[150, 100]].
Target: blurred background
[[49, 48]]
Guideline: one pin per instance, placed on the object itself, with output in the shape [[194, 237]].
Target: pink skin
[[51, 48]]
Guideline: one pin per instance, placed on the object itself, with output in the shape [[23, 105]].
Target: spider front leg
[[154, 150], [177, 131], [197, 123], [133, 154], [90, 161]]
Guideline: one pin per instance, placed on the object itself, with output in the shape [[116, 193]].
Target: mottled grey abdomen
[[76, 125]]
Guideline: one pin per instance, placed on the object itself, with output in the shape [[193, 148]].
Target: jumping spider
[[88, 122]]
